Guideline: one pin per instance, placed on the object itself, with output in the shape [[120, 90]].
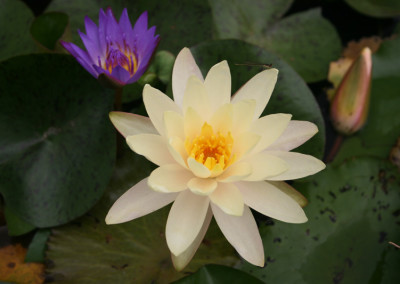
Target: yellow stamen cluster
[[212, 150]]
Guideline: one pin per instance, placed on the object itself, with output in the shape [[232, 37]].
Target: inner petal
[[213, 150], [122, 56]]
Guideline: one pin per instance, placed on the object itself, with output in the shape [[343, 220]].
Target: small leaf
[[374, 8], [38, 246], [14, 270]]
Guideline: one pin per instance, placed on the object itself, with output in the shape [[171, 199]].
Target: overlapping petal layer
[[216, 157]]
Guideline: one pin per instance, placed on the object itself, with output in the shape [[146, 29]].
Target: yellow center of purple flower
[[122, 57], [211, 149]]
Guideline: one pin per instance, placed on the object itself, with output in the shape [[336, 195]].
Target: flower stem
[[335, 148], [118, 107]]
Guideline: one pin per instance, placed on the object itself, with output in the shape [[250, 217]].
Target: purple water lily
[[115, 49]]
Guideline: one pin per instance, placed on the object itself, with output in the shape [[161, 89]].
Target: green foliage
[[306, 40], [291, 94], [133, 252], [15, 21], [217, 274], [376, 8], [37, 246], [48, 28], [57, 146], [354, 213], [15, 225]]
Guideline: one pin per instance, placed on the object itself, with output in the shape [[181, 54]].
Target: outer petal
[[184, 258], [259, 88], [299, 165], [221, 120], [131, 124], [156, 104], [296, 133], [218, 85], [228, 198], [185, 220], [192, 123], [242, 233], [196, 97], [153, 147], [264, 166], [170, 178], [174, 124], [82, 57], [270, 201], [289, 190], [244, 144], [184, 67], [243, 113], [138, 201], [269, 127], [235, 172], [202, 186]]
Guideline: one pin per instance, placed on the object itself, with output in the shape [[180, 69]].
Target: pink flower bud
[[349, 108]]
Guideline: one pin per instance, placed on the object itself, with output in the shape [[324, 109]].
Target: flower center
[[211, 149], [123, 57]]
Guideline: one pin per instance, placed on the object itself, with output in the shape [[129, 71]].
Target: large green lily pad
[[353, 211], [291, 94], [57, 145], [133, 252], [306, 40], [191, 20], [376, 8], [15, 21]]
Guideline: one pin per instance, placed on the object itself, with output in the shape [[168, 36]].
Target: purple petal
[[91, 30], [113, 31], [120, 74], [102, 30], [125, 23], [81, 56], [92, 47], [140, 25]]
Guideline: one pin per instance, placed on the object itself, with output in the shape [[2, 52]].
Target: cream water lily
[[216, 157]]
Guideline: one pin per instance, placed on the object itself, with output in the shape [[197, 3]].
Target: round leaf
[[15, 20], [376, 8], [57, 146], [291, 94], [353, 213]]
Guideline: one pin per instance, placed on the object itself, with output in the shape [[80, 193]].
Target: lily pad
[[191, 20], [133, 252], [353, 213], [291, 94], [15, 21], [305, 40], [48, 28], [376, 8], [57, 145], [218, 274]]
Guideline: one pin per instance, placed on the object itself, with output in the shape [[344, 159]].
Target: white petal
[[184, 67], [289, 190], [138, 201], [259, 88], [244, 143], [269, 127], [243, 113], [228, 198], [218, 85], [185, 220], [198, 169], [193, 123], [242, 233], [202, 186], [131, 124], [173, 124], [156, 104], [222, 119], [196, 97], [270, 201], [299, 165], [296, 133], [180, 261], [264, 166], [235, 172], [170, 178], [152, 146], [177, 150]]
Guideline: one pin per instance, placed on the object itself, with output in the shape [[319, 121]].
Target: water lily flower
[[216, 157], [115, 49], [349, 108]]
